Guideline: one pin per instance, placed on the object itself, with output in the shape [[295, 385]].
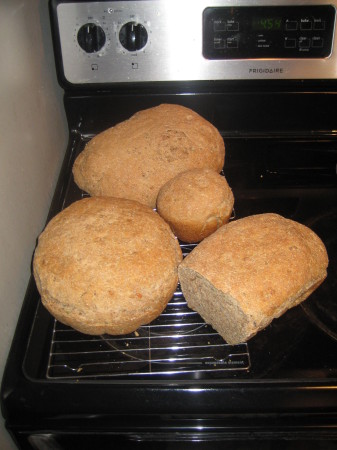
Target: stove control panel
[[135, 41], [268, 32]]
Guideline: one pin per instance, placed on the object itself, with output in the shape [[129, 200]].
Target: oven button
[[291, 25], [305, 24], [219, 43], [219, 25], [289, 42], [232, 25], [319, 24], [133, 36], [304, 42], [91, 37], [232, 42], [317, 42]]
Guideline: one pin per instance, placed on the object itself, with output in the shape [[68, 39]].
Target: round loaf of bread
[[195, 203], [136, 157], [106, 265]]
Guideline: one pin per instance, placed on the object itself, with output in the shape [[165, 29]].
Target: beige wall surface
[[33, 137]]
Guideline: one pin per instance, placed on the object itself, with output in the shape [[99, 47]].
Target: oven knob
[[133, 36], [91, 37]]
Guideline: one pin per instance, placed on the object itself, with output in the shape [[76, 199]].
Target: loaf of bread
[[195, 203], [106, 265], [251, 271], [136, 157]]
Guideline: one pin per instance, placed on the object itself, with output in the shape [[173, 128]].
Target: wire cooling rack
[[178, 342]]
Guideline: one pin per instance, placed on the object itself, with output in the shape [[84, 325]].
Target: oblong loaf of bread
[[106, 265], [136, 157], [251, 271], [195, 203]]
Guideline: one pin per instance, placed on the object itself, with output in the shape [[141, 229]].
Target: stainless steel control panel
[[173, 40]]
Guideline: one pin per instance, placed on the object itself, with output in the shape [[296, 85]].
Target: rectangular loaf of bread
[[251, 271]]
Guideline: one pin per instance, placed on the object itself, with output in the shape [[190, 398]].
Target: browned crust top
[[261, 261], [105, 259], [136, 157], [195, 195], [195, 203]]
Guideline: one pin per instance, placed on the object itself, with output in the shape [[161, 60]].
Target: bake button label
[[306, 24], [232, 25]]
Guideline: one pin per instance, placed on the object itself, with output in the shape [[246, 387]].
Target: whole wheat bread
[[106, 265], [136, 157], [195, 203], [251, 271]]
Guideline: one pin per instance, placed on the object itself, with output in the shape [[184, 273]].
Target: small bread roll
[[106, 265], [137, 156], [195, 203], [251, 271]]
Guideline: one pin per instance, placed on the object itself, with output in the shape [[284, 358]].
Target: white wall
[[32, 143]]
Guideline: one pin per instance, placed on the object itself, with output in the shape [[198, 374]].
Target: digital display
[[266, 23]]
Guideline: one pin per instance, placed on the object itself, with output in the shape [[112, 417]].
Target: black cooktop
[[177, 377], [292, 177]]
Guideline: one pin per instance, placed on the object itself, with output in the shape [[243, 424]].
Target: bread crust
[[106, 265], [195, 203], [136, 157], [251, 271]]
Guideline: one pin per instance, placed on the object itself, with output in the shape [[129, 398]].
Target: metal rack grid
[[178, 342]]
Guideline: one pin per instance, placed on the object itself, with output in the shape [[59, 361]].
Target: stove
[[249, 70]]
